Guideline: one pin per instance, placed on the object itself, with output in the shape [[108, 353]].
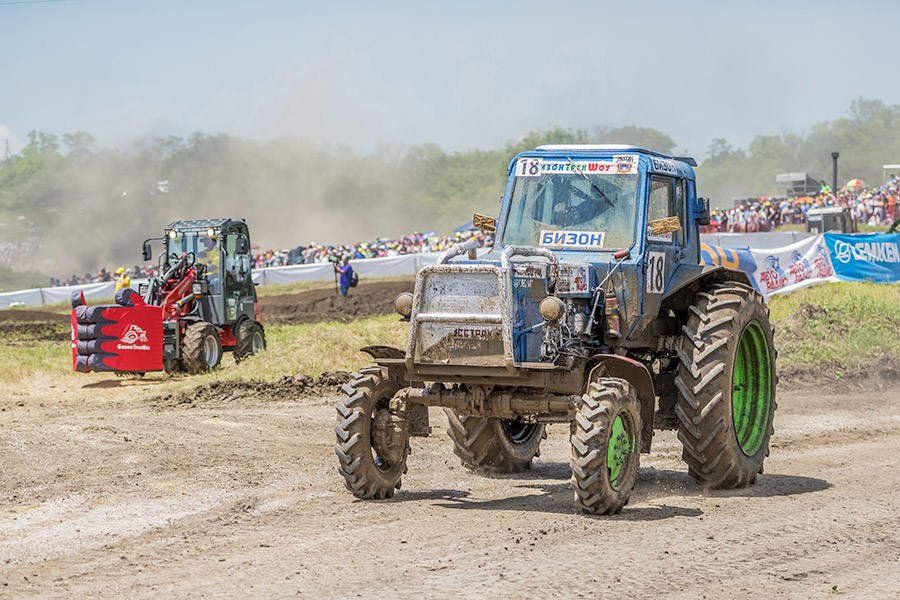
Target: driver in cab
[[572, 205], [211, 258]]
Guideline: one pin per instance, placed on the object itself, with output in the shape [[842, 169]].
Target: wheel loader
[[202, 303]]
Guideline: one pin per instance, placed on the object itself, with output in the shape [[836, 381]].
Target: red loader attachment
[[126, 337]]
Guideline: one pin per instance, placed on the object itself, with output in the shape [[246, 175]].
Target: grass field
[[847, 325]]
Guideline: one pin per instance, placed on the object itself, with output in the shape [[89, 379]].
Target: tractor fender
[[377, 352], [682, 296], [635, 373], [392, 358]]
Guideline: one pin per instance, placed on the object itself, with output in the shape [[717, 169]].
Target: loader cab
[[221, 250]]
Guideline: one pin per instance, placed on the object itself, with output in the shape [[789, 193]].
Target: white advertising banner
[[23, 298], [92, 291], [781, 270]]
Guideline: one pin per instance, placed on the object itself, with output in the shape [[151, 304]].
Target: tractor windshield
[[573, 205]]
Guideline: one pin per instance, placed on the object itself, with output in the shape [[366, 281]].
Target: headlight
[[403, 304], [552, 308], [197, 290]]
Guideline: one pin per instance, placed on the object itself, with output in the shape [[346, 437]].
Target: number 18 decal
[[656, 268], [529, 167]]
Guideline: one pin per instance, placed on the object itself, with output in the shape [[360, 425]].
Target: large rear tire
[[202, 349], [372, 445], [606, 443], [250, 339], [726, 386], [494, 445]]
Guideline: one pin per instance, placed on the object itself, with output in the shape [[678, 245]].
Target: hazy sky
[[460, 74]]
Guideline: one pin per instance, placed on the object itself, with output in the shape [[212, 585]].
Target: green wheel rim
[[620, 446], [751, 394]]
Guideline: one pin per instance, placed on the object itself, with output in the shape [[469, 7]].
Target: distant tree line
[[97, 203]]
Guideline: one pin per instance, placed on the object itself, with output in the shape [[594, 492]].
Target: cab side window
[[662, 198], [662, 204], [237, 266], [680, 210], [667, 199]]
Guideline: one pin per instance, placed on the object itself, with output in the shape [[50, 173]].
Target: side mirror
[[241, 246], [701, 211], [148, 253]]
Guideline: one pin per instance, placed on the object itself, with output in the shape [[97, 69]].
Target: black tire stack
[[88, 323]]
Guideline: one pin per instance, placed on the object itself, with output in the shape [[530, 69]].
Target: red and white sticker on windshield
[[626, 164]]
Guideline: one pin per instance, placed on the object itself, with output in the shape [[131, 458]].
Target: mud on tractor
[[592, 309], [202, 303]]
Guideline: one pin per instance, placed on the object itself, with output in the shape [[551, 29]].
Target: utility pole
[[834, 187]]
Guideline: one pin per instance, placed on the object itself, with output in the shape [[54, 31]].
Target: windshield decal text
[[618, 165], [580, 240]]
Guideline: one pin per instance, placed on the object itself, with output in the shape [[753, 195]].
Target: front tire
[[726, 387], [250, 339], [372, 444], [606, 442], [494, 445], [202, 349]]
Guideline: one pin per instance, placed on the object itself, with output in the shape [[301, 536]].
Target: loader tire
[[494, 445], [726, 386], [606, 442], [250, 338], [364, 408], [202, 350]]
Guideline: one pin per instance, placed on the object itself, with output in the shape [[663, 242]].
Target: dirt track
[[308, 306], [106, 493], [311, 306]]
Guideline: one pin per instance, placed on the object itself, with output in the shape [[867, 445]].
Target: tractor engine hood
[[486, 313]]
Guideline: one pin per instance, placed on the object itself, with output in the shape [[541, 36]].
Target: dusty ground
[[107, 492], [308, 306], [24, 326], [311, 306]]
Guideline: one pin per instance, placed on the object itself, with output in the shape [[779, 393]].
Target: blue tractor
[[594, 309]]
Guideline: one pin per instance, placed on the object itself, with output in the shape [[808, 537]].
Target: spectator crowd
[[103, 275], [414, 243], [876, 206]]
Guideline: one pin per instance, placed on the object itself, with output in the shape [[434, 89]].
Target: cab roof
[[203, 224], [594, 148]]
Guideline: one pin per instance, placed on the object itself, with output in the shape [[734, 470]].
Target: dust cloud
[[291, 192]]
